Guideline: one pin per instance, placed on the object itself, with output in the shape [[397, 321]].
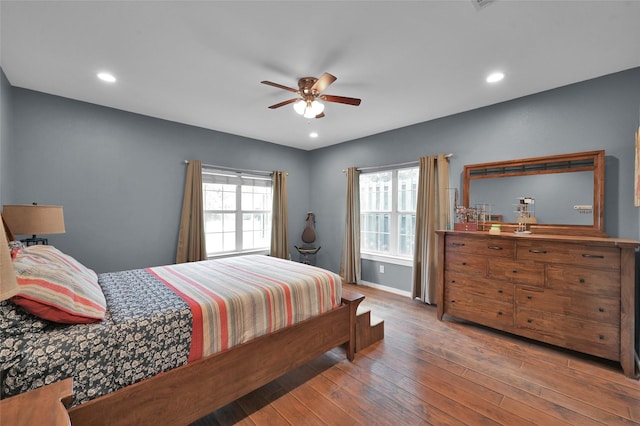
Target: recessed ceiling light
[[105, 76], [495, 77], [313, 134]]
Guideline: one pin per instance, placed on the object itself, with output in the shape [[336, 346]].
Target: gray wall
[[5, 124], [591, 115], [120, 176]]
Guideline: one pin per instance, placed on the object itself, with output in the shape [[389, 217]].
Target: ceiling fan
[[309, 91]]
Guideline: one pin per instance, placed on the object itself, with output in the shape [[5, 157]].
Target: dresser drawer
[[500, 291], [465, 263], [484, 246], [583, 280], [517, 272], [583, 335], [575, 254], [600, 309], [483, 310]]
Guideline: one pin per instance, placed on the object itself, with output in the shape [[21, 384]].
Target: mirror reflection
[[563, 193], [564, 198]]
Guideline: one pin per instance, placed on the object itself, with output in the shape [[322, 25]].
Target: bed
[[162, 353]]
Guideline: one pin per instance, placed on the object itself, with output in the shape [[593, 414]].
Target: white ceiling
[[201, 62]]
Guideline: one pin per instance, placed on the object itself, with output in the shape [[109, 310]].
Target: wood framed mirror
[[568, 192]]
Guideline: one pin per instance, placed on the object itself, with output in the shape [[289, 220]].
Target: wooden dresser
[[573, 292]]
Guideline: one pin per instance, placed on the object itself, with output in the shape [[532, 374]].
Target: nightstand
[[42, 406]]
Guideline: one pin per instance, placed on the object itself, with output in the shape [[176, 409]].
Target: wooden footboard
[[187, 393]]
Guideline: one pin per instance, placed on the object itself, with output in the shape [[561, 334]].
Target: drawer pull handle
[[494, 247], [453, 300], [601, 337], [592, 256], [499, 312], [537, 251], [500, 291], [529, 297], [529, 320], [457, 244], [515, 271], [453, 281], [464, 263], [581, 280], [600, 309]]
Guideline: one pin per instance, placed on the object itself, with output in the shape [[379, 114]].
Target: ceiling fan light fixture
[[308, 109], [309, 89], [317, 107], [300, 106]]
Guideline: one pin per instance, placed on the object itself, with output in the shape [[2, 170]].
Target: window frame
[[393, 255], [237, 179]]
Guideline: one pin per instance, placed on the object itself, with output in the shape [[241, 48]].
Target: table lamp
[[33, 219]]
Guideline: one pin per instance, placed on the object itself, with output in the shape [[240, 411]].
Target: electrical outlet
[[382, 269]]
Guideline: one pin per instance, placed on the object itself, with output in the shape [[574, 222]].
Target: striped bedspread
[[234, 300]]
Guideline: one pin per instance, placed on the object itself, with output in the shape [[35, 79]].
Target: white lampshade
[[300, 106], [317, 107]]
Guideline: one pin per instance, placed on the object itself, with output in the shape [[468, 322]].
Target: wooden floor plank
[[433, 406], [387, 408], [448, 372], [259, 409], [384, 380], [516, 398], [317, 402], [357, 406], [296, 413], [594, 410], [566, 383]]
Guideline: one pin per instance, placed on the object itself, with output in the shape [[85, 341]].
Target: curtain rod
[[235, 169], [386, 166]]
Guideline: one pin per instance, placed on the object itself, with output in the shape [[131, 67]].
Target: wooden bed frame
[[187, 393]]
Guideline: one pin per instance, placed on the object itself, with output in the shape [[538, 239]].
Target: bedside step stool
[[369, 329]]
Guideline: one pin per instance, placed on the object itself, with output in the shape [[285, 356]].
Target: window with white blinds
[[237, 211]]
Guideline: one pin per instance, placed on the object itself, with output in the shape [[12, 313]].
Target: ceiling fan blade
[[283, 103], [323, 82], [340, 99], [279, 86], [320, 115]]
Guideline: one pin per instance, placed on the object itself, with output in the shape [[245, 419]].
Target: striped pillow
[[56, 287]]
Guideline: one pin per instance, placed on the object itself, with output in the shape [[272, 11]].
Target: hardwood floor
[[441, 373]]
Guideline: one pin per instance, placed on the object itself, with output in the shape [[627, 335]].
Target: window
[[237, 212], [388, 212]]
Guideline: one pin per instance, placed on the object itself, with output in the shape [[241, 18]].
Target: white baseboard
[[385, 288]]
